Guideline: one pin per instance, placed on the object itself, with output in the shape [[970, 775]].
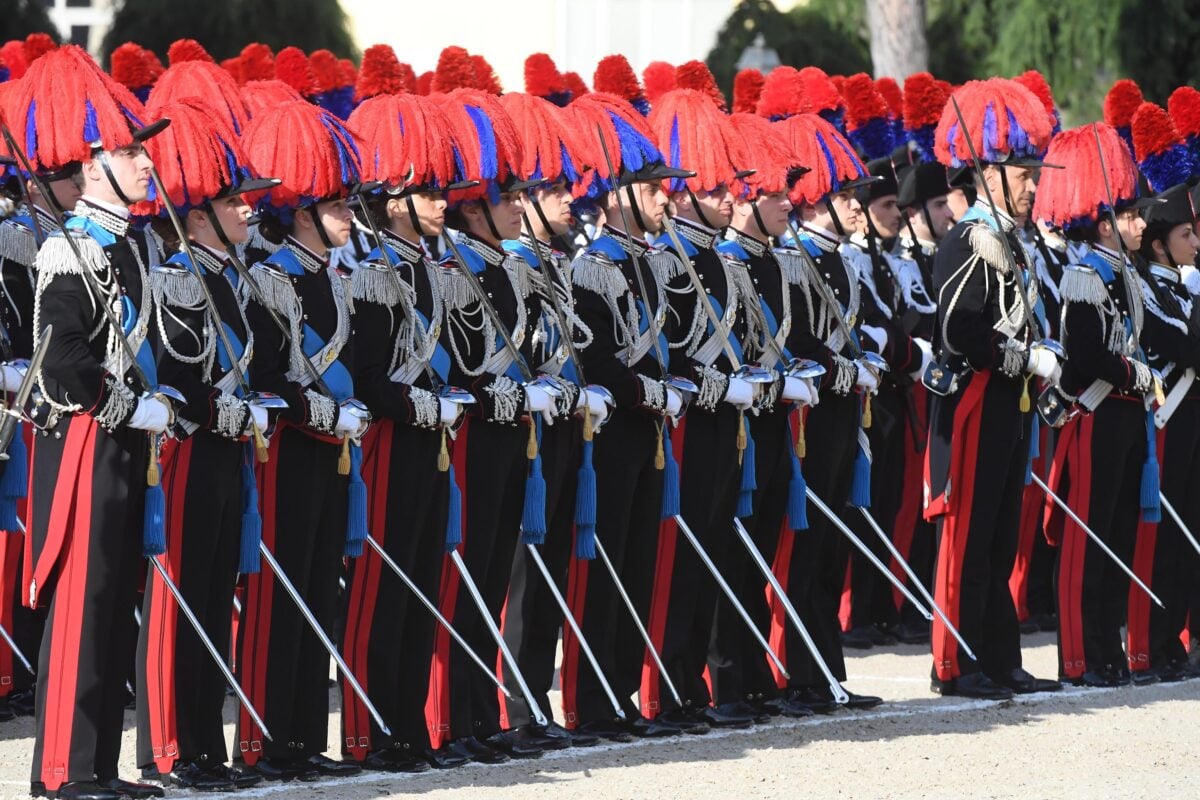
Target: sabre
[[209, 646], [826, 294], [1058, 501], [637, 621], [1187, 534], [290, 589], [433, 609], [12, 414], [866, 551], [1112, 217], [473, 590], [835, 686], [912, 576], [570, 618], [737, 605], [12, 645]]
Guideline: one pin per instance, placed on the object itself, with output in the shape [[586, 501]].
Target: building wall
[[83, 22]]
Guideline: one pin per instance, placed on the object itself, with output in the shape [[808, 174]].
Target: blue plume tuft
[[874, 140], [1169, 168], [642, 105], [454, 516], [924, 138], [91, 128]]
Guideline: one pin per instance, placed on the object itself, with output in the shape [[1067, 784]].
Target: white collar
[[120, 211]]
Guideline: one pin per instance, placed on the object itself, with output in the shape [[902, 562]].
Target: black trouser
[[532, 617], [628, 510], [977, 536], [389, 634], [89, 637], [283, 667], [180, 690], [737, 665]]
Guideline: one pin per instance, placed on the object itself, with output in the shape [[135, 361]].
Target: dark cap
[[921, 183]]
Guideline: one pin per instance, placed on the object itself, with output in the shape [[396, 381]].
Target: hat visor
[[153, 129], [251, 185], [742, 174], [657, 171], [365, 187], [860, 182], [1142, 203], [1026, 161], [520, 186]]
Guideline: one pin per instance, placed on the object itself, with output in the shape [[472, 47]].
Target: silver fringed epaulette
[[371, 283], [794, 266], [457, 291], [18, 243], [57, 258], [1082, 284], [598, 273], [276, 289], [989, 246], [176, 285], [257, 240], [665, 265], [346, 281]]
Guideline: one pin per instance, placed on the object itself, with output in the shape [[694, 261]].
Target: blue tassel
[[585, 507], [670, 501], [860, 489], [248, 556], [454, 518], [1151, 509], [533, 519], [154, 521], [745, 504], [14, 482], [1035, 448], [797, 507], [356, 516]]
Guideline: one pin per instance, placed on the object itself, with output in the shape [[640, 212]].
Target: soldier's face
[[507, 215], [336, 217], [1021, 187], [431, 211], [130, 167], [555, 201], [1182, 244], [848, 210], [958, 204], [774, 209], [1131, 226], [717, 205], [66, 192], [941, 216], [652, 203], [233, 214], [885, 215]]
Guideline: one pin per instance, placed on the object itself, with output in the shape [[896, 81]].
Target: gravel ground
[[1133, 742]]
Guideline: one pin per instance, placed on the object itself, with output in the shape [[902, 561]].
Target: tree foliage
[[23, 17]]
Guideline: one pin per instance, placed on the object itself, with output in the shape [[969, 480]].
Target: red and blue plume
[[868, 123], [491, 145], [615, 76], [37, 45], [381, 73], [12, 53], [1184, 107], [1004, 120], [542, 79], [454, 70], [1160, 151], [924, 100], [747, 88], [575, 84], [1120, 104], [893, 95], [658, 77], [770, 156], [312, 153], [407, 140], [625, 132], [334, 94], [1078, 195], [293, 68], [349, 72], [817, 144], [821, 96], [261, 96], [693, 134], [65, 103], [1035, 82], [485, 76], [257, 63], [782, 94], [553, 147], [4, 73], [696, 75], [208, 83], [187, 50], [131, 68]]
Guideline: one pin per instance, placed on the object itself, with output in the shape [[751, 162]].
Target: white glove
[[151, 415], [538, 399], [449, 412], [258, 416], [597, 409], [674, 401], [926, 357], [347, 424], [739, 394], [877, 335], [867, 379], [11, 378], [1041, 362], [798, 390]]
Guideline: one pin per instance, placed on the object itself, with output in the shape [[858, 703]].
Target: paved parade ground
[[1096, 743]]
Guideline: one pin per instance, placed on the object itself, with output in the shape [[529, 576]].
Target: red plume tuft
[[1122, 102], [258, 63], [863, 102], [694, 134], [186, 50], [207, 82], [819, 92], [129, 67], [425, 82], [924, 100], [12, 54], [407, 138], [408, 78], [782, 94], [455, 70], [615, 76], [1035, 82], [380, 73], [1184, 105], [154, 65], [1003, 119], [696, 75], [234, 67], [1153, 132], [542, 78], [1077, 193], [485, 76], [326, 69], [892, 95], [349, 73], [769, 153], [37, 45], [553, 146], [575, 84], [839, 82], [747, 88], [658, 77], [815, 143], [596, 111], [261, 96], [490, 161], [292, 67]]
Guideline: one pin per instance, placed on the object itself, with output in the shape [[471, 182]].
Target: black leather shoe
[[857, 639], [1029, 626], [686, 720], [579, 738], [394, 761], [21, 703], [744, 708], [1185, 669], [785, 707], [656, 728], [76, 790], [514, 744], [444, 757], [861, 702], [549, 737], [879, 637], [1119, 674], [818, 703], [1095, 680], [193, 776], [331, 768], [1145, 677], [605, 729], [134, 791], [909, 633], [728, 715], [975, 685], [242, 779], [6, 713], [1021, 682], [277, 769], [477, 751]]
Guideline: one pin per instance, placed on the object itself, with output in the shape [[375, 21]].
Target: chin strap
[[758, 220], [1012, 209], [316, 218], [541, 215], [699, 209], [217, 229], [636, 209], [928, 222], [837, 221], [102, 157], [491, 223], [412, 215]]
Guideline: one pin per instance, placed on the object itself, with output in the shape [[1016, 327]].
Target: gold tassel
[[1159, 397], [741, 436], [531, 448], [444, 454], [260, 446], [1024, 403], [801, 445], [866, 415], [587, 426], [152, 468], [344, 458], [660, 458]]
